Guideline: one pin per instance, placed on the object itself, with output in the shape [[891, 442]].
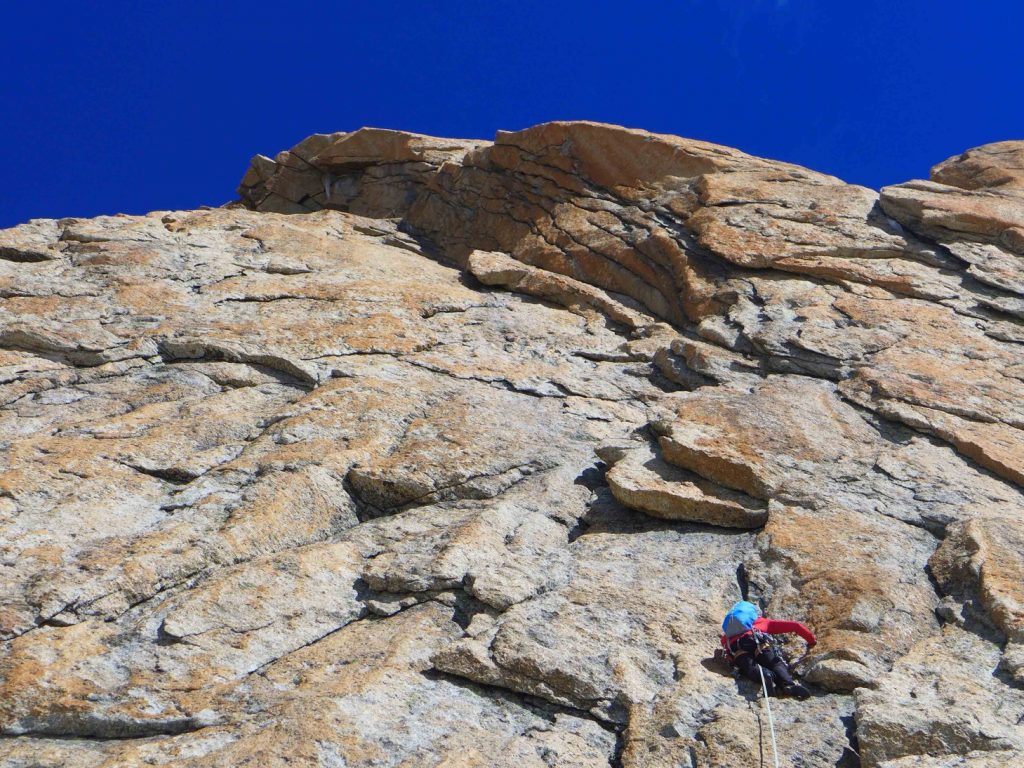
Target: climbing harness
[[771, 724], [732, 650]]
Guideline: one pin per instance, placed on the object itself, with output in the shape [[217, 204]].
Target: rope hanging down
[[771, 725]]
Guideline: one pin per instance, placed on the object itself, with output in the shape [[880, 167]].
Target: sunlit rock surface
[[453, 453]]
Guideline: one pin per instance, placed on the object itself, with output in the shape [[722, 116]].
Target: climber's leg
[[771, 660], [747, 664]]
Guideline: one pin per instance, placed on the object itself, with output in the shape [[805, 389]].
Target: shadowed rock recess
[[458, 466]]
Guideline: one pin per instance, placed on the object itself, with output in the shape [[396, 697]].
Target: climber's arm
[[780, 627]]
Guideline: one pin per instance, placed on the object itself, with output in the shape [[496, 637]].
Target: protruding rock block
[[642, 481]]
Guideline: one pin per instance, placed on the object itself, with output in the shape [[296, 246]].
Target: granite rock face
[[453, 453]]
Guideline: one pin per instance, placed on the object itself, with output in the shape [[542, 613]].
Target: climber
[[746, 638]]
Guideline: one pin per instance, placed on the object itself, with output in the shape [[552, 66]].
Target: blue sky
[[136, 106]]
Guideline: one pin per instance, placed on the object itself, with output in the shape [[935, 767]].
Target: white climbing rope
[[771, 724]]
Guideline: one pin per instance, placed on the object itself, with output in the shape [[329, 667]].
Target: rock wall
[[463, 465]]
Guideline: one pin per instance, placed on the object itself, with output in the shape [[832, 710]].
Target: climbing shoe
[[796, 689]]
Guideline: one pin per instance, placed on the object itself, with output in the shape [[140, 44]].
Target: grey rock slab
[[944, 697]]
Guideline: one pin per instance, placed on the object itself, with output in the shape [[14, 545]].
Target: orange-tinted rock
[[992, 165]]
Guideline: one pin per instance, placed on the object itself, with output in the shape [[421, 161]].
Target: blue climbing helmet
[[740, 619]]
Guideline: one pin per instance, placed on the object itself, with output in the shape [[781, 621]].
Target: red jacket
[[776, 627]]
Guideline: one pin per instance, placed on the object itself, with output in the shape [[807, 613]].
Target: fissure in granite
[[322, 474]]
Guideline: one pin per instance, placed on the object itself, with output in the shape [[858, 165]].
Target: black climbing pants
[[775, 670]]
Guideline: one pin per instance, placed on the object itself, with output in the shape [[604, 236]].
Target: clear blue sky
[[134, 106]]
